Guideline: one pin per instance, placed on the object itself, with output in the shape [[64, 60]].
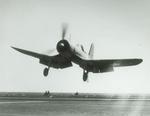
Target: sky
[[118, 29]]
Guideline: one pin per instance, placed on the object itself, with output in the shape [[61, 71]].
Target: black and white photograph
[[74, 58]]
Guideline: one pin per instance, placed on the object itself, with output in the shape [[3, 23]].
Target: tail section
[[91, 51]]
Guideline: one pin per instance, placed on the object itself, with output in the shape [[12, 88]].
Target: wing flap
[[106, 69]]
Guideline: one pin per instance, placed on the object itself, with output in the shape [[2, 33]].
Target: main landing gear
[[45, 71], [85, 75]]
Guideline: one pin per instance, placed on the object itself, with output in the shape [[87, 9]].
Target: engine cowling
[[63, 46]]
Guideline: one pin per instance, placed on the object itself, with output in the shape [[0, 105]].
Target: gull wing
[[107, 65], [56, 61], [30, 53]]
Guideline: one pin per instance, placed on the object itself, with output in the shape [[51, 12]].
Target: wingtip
[[17, 49], [140, 60], [13, 47]]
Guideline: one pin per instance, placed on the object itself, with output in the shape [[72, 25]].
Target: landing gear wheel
[[45, 72], [85, 75]]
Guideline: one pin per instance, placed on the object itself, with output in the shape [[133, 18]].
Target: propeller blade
[[64, 30], [50, 52]]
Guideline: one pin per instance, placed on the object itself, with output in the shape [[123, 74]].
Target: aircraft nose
[[63, 46]]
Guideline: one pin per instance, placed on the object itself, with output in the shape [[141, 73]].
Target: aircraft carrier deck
[[73, 104]]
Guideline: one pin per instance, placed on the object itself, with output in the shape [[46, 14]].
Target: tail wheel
[[85, 75], [45, 71]]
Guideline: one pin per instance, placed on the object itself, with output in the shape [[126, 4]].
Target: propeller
[[50, 51], [64, 30]]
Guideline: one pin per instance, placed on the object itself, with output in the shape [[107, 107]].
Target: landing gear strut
[[85, 75], [45, 71]]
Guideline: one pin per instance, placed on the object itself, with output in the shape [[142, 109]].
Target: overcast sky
[[118, 28]]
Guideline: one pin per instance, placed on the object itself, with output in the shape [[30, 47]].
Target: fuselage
[[75, 54]]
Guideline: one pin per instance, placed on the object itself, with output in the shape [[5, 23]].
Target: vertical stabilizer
[[91, 51]]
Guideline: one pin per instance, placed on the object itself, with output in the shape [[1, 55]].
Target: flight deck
[[69, 104]]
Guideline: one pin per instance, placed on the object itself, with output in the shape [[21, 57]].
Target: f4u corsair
[[68, 54]]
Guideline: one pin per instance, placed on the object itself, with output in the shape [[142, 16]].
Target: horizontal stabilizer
[[91, 51]]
